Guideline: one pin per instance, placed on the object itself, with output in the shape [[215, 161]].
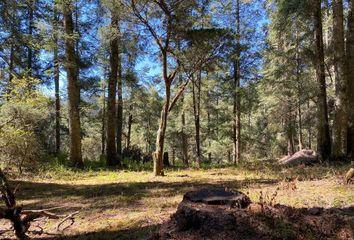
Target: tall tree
[[56, 79], [323, 136], [196, 91], [163, 44], [73, 86], [350, 79], [112, 91], [236, 88], [339, 136], [120, 101], [31, 9]]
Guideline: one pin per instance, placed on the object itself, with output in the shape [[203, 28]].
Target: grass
[[132, 204]]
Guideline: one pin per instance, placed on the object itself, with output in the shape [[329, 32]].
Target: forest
[[177, 119]]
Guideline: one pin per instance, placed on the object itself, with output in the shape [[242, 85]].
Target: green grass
[[124, 204]]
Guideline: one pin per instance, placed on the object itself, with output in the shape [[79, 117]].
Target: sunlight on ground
[[130, 205]]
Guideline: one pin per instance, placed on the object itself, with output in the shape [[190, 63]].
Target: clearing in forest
[[133, 205]]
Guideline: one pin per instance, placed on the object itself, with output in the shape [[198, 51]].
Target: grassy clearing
[[131, 204]]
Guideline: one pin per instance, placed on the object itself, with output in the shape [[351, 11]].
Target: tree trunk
[[350, 79], [160, 138], [328, 29], [209, 135], [299, 90], [119, 110], [184, 137], [111, 150], [73, 88], [130, 121], [56, 83], [236, 89], [339, 136], [323, 137], [290, 137], [31, 6], [309, 128], [196, 109], [103, 129]]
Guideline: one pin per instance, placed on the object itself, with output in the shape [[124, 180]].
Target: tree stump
[[349, 176], [209, 209]]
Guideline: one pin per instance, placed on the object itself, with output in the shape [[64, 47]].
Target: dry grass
[[131, 205]]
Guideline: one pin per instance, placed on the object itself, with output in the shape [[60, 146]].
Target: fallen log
[[306, 157]]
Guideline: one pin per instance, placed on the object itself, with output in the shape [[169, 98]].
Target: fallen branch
[[21, 219], [69, 217]]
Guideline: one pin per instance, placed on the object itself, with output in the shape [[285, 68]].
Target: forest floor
[[132, 205]]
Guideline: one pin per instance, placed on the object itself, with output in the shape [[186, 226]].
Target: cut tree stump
[[209, 209], [349, 176]]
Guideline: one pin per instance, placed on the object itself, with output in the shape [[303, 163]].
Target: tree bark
[[323, 137], [31, 8], [103, 129], [130, 121], [309, 130], [299, 90], [339, 136], [184, 136], [73, 88], [350, 79], [290, 133], [56, 83], [111, 150], [196, 111], [119, 108], [158, 154], [236, 89]]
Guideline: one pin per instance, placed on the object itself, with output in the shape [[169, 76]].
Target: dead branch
[[69, 217], [21, 219]]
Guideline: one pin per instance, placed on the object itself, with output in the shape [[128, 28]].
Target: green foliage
[[26, 109]]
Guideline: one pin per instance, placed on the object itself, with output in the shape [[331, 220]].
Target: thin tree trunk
[[184, 136], [209, 136], [119, 109], [130, 121], [289, 129], [299, 89], [350, 79], [31, 6], [301, 146], [196, 109], [56, 83], [236, 89], [309, 128], [73, 88], [149, 136], [323, 137], [103, 129], [11, 70], [111, 150]]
